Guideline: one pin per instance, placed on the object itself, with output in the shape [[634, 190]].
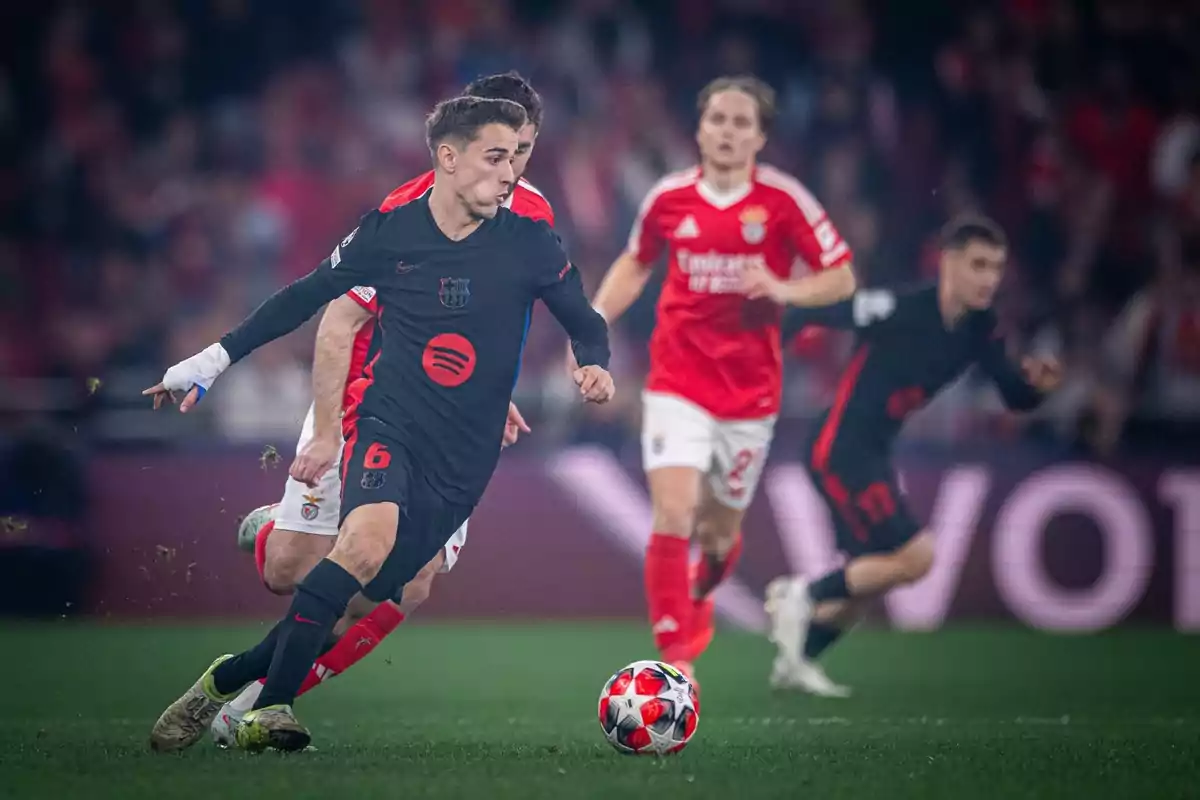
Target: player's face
[[729, 135], [526, 139], [976, 271], [483, 173]]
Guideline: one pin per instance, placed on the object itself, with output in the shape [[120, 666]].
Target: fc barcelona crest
[[454, 292], [754, 224]]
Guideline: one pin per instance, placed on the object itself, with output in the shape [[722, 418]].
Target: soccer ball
[[649, 708]]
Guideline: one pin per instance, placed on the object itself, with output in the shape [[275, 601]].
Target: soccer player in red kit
[[716, 360], [289, 537]]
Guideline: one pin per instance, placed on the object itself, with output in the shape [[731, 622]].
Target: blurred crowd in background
[[166, 165]]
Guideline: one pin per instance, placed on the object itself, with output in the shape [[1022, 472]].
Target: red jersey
[[711, 345], [524, 200]]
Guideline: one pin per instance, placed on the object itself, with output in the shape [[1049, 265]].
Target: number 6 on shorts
[[377, 457]]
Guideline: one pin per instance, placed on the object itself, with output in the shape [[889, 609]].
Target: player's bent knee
[[290, 556], [366, 539], [674, 520], [916, 558], [675, 495], [717, 526], [359, 556], [675, 514], [279, 579]]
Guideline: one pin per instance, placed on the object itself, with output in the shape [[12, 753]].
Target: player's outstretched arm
[[351, 264], [819, 289], [865, 309], [342, 319], [332, 353], [626, 279], [1023, 388], [623, 284]]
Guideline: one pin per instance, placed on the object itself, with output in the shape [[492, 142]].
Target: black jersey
[[904, 356], [452, 321]]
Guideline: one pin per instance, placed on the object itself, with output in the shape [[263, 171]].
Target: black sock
[[233, 674], [831, 587], [253, 664], [319, 602], [330, 641], [820, 638]]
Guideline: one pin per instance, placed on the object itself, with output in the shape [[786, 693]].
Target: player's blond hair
[[761, 92]]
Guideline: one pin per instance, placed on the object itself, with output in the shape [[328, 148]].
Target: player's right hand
[[514, 426], [1043, 374], [315, 459], [192, 376], [595, 384], [759, 282]]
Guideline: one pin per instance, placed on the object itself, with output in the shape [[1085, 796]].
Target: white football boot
[[790, 609], [806, 676], [225, 724], [249, 526], [224, 727]]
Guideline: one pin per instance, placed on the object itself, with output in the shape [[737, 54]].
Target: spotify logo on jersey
[[449, 359]]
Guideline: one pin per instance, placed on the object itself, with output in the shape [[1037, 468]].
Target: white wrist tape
[[199, 370]]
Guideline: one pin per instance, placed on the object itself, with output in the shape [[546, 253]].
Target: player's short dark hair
[[961, 231], [760, 90], [460, 118], [509, 86]]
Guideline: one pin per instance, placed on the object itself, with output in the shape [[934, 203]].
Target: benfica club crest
[[311, 507], [754, 224]]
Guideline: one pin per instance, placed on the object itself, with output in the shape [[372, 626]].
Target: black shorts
[[864, 500], [378, 468]]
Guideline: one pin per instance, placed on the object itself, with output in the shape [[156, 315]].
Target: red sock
[[260, 548], [667, 593], [355, 645], [709, 572]]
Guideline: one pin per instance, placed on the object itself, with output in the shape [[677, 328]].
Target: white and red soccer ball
[[649, 708]]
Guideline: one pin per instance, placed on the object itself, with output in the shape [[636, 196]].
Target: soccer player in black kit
[[909, 346], [457, 276]]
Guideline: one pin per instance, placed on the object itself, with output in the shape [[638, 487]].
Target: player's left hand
[[315, 458], [595, 384], [192, 377], [514, 426], [1043, 374], [759, 282]]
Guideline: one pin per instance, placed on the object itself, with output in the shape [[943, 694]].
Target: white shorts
[[316, 509], [679, 433]]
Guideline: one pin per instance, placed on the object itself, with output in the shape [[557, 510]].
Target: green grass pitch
[[508, 711]]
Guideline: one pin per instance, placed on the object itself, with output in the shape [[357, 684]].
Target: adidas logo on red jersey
[[688, 229]]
